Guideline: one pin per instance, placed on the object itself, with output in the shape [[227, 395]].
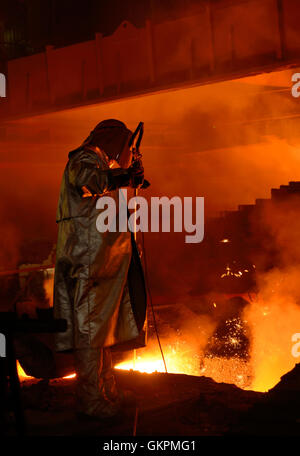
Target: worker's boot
[[90, 396], [125, 397]]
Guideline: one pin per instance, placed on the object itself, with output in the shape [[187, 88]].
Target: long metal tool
[[134, 144]]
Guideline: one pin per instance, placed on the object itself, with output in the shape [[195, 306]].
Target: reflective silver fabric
[[91, 288]]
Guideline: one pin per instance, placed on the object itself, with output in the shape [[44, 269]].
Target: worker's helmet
[[113, 137]]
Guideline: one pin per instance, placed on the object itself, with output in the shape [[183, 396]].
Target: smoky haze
[[274, 310], [229, 142]]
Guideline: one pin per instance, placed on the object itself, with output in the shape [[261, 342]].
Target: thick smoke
[[229, 142], [274, 313]]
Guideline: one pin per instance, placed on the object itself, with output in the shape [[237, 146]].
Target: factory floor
[[170, 404]]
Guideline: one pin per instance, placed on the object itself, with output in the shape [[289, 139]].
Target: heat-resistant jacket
[[99, 284]]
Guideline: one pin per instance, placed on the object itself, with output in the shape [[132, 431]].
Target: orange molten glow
[[21, 373], [273, 317], [271, 322], [23, 376], [142, 365], [181, 358], [70, 376], [272, 328]]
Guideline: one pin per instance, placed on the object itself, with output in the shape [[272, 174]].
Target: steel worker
[[99, 284]]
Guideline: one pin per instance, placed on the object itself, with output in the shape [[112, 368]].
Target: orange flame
[[23, 376]]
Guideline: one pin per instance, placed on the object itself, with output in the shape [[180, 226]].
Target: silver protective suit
[[99, 284]]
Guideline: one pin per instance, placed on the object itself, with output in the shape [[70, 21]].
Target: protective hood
[[112, 136]]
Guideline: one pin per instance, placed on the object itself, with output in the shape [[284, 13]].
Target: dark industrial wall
[[220, 40]]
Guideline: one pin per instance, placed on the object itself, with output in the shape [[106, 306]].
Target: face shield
[[113, 137]]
